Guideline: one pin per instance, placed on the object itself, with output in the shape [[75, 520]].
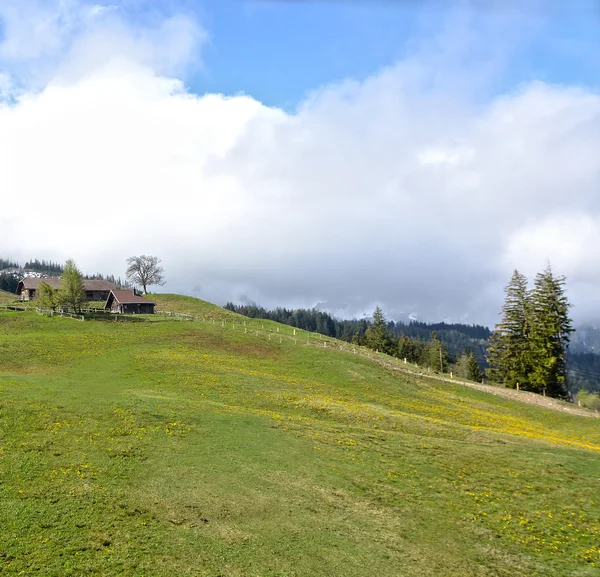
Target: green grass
[[191, 306], [6, 297], [189, 448]]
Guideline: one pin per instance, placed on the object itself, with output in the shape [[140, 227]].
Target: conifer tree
[[508, 354], [549, 334], [408, 349], [377, 336], [473, 370]]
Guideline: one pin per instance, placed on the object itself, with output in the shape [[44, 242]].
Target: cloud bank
[[398, 190]]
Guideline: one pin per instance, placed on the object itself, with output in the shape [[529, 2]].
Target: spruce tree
[[407, 349], [473, 370], [508, 354], [377, 336], [549, 334]]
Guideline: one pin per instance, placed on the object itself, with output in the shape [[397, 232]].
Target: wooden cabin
[[127, 302], [95, 290]]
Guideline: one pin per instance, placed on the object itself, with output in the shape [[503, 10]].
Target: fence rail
[[12, 308], [180, 316], [51, 313]]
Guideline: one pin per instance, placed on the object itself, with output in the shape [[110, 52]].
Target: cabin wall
[[27, 294]]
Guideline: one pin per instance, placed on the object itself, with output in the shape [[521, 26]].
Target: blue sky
[[277, 51]]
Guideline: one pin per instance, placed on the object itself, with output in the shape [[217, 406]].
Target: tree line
[[528, 349]]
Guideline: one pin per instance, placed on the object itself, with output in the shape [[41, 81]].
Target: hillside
[[6, 297], [207, 448]]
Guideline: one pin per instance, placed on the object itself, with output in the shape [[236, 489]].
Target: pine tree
[[508, 354], [72, 291], [473, 370], [377, 336], [550, 334], [407, 349]]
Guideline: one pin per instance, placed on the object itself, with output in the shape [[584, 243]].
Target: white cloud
[[386, 190], [45, 39]]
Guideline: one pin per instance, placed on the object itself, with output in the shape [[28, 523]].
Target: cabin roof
[[54, 282], [127, 297]]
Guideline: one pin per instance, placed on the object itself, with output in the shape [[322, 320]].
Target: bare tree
[[145, 271]]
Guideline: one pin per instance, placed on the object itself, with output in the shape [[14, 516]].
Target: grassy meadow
[[180, 448], [6, 297]]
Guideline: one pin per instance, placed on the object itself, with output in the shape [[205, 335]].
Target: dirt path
[[521, 396]]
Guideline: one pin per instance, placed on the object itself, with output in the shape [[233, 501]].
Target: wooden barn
[[127, 302], [95, 290]]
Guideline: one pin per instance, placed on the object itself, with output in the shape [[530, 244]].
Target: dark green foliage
[[8, 282], [120, 284], [411, 349], [8, 264], [529, 346], [377, 337], [549, 334], [508, 354], [43, 266]]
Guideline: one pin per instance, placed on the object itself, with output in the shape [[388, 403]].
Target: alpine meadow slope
[[173, 448]]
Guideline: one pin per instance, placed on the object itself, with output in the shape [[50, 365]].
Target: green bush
[[589, 400]]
